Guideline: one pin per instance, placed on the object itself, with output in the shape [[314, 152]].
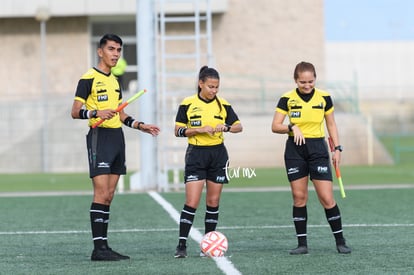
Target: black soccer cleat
[[181, 252], [103, 255], [120, 256], [300, 250], [343, 249], [107, 254]]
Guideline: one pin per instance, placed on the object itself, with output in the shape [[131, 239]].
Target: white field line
[[143, 230], [222, 262]]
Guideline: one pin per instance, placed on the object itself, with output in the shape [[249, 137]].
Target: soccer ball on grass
[[214, 244]]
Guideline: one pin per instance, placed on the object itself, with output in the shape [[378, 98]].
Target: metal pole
[[209, 30], [147, 80], [42, 16]]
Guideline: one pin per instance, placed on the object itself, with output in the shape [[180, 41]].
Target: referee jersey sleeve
[[181, 117], [282, 105], [231, 115], [83, 90], [329, 104]]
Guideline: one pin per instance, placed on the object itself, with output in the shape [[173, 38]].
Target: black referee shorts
[[106, 151], [206, 162], [311, 158]]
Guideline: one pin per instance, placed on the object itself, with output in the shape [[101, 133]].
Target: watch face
[[340, 148]]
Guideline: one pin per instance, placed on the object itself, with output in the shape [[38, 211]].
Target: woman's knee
[[213, 202], [327, 203], [110, 197], [213, 198], [104, 197], [300, 198]]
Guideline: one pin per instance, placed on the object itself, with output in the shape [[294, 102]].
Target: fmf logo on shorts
[[102, 98], [295, 114], [220, 178], [322, 169]]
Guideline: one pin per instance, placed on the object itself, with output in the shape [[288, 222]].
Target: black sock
[[186, 221], [211, 219], [96, 213], [300, 218], [105, 225], [333, 216]]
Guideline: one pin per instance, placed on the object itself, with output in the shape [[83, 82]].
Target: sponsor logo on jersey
[[295, 114], [293, 104], [196, 109]]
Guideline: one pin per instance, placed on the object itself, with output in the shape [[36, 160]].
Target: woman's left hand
[[336, 158], [221, 128]]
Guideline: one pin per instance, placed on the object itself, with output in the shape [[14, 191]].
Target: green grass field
[[42, 234], [269, 177], [401, 173], [400, 147], [51, 235]]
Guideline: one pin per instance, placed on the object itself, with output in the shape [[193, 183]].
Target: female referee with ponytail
[[306, 152], [202, 119]]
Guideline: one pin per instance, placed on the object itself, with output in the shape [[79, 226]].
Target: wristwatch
[[339, 148], [94, 113]]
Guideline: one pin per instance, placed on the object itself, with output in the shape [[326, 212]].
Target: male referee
[[100, 92]]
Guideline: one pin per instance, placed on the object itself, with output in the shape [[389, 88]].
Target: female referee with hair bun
[[202, 118], [306, 152]]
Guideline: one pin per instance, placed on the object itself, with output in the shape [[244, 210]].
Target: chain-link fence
[[39, 136]]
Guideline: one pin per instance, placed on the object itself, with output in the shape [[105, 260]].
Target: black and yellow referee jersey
[[100, 91], [194, 112], [307, 111]]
